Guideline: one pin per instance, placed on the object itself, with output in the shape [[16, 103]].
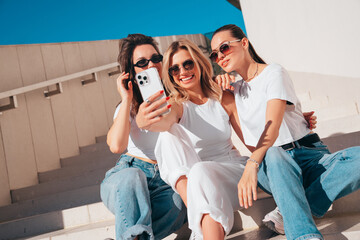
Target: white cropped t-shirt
[[251, 100], [141, 142]]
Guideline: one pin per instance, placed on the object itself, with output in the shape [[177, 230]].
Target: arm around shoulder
[[228, 103]]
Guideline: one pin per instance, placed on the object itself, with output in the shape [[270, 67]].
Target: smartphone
[[149, 83]]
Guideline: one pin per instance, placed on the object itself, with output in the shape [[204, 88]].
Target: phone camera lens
[[141, 82], [139, 77], [145, 77]]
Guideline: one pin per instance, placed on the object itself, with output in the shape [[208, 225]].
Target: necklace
[[257, 67]]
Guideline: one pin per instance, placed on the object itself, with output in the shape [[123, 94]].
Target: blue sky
[[46, 21]]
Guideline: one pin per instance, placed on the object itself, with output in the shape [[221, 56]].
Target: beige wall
[[318, 43], [42, 130], [306, 36]]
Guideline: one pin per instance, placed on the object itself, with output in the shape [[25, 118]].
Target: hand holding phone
[[149, 83]]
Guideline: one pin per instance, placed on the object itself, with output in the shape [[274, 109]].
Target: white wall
[[320, 36]]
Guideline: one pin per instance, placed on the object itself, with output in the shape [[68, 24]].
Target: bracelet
[[254, 161]]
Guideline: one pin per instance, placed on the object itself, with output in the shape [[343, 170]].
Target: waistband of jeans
[[142, 159], [306, 141]]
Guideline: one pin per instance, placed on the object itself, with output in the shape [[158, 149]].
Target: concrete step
[[90, 178], [100, 146], [88, 158], [333, 228], [57, 223], [337, 228], [50, 203], [101, 139], [334, 111], [95, 231], [105, 162], [338, 126], [342, 141]]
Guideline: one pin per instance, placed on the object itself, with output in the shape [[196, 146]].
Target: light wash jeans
[[143, 204], [305, 181]]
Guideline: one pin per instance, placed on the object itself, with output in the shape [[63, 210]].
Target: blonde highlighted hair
[[202, 63]]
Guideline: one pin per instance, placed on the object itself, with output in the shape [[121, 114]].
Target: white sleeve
[[116, 111], [280, 86]]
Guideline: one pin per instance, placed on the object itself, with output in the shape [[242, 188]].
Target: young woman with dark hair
[[145, 207], [295, 166]]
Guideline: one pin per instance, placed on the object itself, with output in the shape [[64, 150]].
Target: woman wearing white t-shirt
[[295, 166]]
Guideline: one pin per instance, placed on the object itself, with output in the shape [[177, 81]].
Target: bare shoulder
[[228, 102], [176, 109]]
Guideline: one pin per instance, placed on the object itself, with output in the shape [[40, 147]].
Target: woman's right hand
[[149, 111], [124, 93], [224, 80]]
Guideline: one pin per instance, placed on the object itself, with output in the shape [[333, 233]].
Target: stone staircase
[[66, 204], [64, 198]]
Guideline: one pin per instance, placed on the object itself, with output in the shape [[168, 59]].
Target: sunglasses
[[156, 58], [175, 69], [224, 49]]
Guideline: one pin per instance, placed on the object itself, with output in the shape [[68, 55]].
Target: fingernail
[[162, 91], [169, 106], [167, 98]]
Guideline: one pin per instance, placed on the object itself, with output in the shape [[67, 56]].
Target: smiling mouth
[[187, 79], [223, 64]]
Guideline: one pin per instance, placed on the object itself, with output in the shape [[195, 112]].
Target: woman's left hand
[[247, 185], [224, 81], [310, 119]]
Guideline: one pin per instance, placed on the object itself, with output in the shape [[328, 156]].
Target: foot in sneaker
[[274, 221]]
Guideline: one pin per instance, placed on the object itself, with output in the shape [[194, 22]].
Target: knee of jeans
[[352, 153], [127, 180], [275, 157]]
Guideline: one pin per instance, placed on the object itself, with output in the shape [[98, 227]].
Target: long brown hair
[[208, 85], [126, 50], [236, 32]]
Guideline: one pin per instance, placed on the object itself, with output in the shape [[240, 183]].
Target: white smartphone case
[[149, 83]]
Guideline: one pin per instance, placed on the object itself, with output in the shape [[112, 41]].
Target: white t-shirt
[[251, 100], [141, 142]]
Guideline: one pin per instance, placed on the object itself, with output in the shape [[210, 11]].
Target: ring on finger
[[147, 101]]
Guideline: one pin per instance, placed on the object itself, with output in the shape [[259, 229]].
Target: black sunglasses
[[175, 69], [156, 58], [224, 49]]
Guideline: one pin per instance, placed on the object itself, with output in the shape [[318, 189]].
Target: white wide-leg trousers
[[212, 184]]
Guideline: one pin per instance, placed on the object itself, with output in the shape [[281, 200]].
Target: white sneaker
[[274, 221]]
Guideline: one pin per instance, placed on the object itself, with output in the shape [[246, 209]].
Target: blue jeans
[[143, 204], [305, 181]]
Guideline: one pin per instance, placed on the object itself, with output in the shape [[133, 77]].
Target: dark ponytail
[[236, 32]]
